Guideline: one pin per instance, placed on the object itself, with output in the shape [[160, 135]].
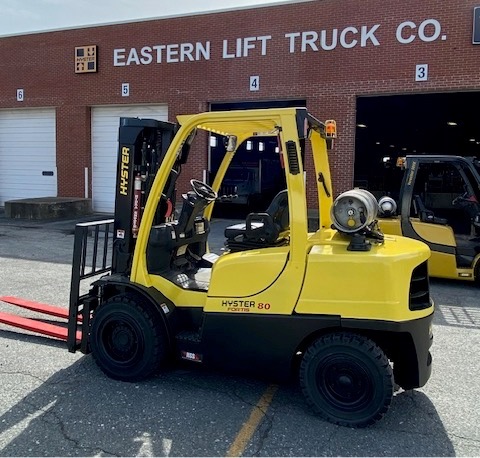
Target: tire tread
[[159, 352], [351, 340]]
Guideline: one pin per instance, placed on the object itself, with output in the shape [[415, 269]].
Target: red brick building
[[58, 127]]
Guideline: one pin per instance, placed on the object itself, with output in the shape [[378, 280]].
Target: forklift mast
[[142, 144]]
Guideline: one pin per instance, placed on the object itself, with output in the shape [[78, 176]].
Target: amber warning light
[[331, 128], [401, 162]]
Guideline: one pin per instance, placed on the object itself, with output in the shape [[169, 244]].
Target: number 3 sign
[[421, 72]]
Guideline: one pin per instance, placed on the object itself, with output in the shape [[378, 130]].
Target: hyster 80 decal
[[244, 306], [123, 184]]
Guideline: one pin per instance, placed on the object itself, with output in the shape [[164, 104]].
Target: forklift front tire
[[347, 379], [128, 340]]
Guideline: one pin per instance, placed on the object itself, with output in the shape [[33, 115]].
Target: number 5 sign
[[421, 72]]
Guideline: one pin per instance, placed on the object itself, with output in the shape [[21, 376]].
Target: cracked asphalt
[[54, 403]]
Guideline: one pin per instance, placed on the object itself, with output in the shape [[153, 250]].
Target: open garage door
[[256, 173], [27, 154], [105, 124], [394, 126]]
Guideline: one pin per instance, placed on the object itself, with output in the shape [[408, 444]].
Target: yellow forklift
[[439, 204], [344, 310]]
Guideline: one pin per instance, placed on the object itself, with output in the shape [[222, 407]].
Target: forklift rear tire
[[347, 379], [128, 340]]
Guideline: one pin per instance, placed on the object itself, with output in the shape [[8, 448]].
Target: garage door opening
[[255, 175], [389, 127], [28, 160], [105, 124]]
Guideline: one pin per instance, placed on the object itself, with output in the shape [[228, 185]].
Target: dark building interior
[[393, 126]]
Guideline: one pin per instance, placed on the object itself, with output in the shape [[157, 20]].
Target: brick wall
[[330, 80]]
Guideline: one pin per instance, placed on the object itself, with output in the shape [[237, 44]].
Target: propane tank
[[387, 206], [137, 199], [354, 210]]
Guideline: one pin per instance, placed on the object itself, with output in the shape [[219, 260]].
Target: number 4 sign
[[421, 72], [254, 83]]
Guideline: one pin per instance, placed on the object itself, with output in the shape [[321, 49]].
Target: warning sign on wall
[[86, 59]]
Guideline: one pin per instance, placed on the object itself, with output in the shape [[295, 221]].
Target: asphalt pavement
[[54, 403]]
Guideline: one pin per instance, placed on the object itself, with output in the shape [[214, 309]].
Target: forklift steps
[[189, 337], [36, 324], [189, 345]]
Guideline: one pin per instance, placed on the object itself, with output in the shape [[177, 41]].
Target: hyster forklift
[[439, 204], [344, 309]]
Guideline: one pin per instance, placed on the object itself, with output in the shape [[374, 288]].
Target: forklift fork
[[89, 260], [36, 324]]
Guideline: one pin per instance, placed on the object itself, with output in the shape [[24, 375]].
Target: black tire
[[128, 339], [347, 379]]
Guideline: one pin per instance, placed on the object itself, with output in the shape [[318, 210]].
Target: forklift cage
[[92, 256]]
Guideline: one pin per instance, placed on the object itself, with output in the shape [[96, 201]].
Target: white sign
[[125, 89], [20, 95], [294, 41], [421, 72], [254, 83]]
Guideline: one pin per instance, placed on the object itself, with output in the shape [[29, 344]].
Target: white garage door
[[28, 165], [105, 123]]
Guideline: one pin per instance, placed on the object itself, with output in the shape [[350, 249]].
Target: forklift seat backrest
[[424, 214], [278, 209], [261, 229]]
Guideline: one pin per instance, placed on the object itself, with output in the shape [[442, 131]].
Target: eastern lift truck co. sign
[[428, 30]]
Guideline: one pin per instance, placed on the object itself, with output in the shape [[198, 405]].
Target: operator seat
[[261, 229], [425, 215], [469, 204]]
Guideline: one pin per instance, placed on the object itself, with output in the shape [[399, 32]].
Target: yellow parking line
[[249, 428]]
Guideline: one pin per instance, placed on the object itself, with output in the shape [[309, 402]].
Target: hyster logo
[[238, 306], [238, 303], [124, 170]]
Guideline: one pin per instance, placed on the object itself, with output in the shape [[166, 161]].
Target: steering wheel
[[203, 191]]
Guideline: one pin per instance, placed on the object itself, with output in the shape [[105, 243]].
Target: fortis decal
[[123, 184]]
